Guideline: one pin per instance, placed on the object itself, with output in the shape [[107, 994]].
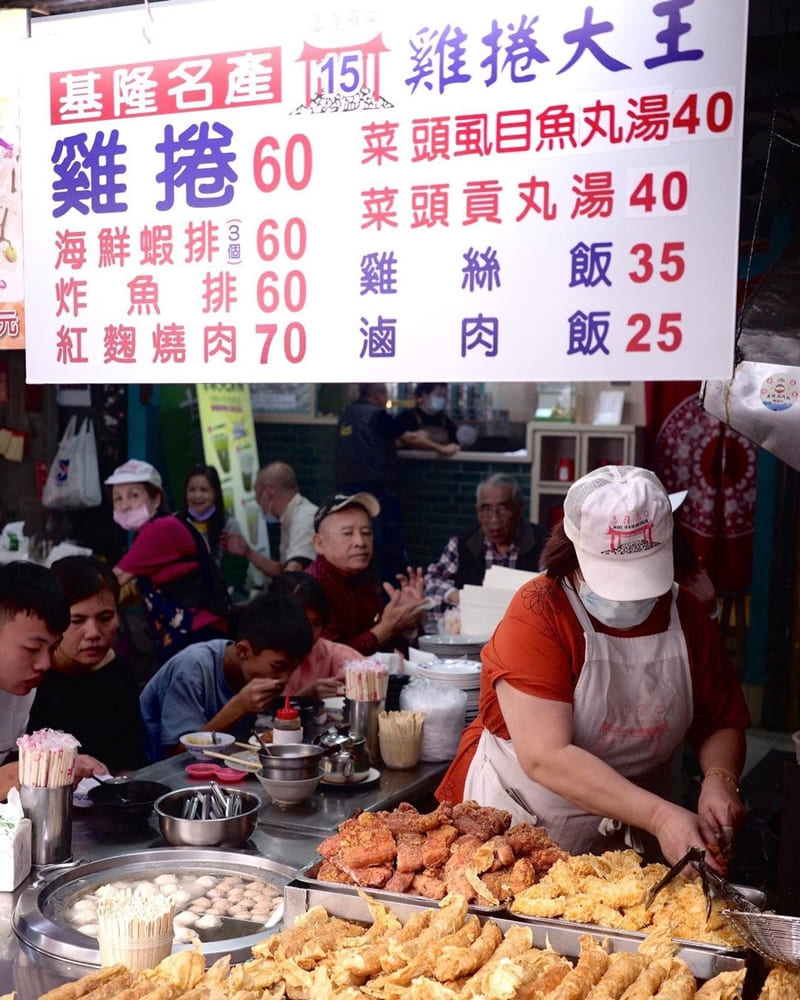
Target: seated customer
[[89, 690], [500, 538], [33, 614], [321, 674], [358, 616], [221, 686]]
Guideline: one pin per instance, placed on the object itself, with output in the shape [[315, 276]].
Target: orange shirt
[[538, 648]]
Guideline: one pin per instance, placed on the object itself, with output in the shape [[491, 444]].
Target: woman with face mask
[[426, 425], [171, 558], [599, 670]]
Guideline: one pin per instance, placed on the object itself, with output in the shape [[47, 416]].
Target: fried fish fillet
[[482, 822], [680, 983], [592, 964], [117, 974], [623, 970], [454, 962], [365, 841]]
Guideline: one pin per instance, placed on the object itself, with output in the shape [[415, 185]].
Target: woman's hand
[[720, 809], [9, 778]]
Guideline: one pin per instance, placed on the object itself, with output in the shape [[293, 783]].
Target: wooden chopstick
[[245, 765], [246, 746]]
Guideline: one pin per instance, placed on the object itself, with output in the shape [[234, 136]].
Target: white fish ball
[[207, 922], [166, 877], [185, 919], [207, 881], [90, 930]]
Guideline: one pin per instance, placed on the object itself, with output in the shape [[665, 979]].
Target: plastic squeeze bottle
[[287, 727]]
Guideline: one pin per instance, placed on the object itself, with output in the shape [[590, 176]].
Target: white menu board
[[407, 191]]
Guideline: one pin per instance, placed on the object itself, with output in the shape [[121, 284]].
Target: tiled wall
[[438, 497]]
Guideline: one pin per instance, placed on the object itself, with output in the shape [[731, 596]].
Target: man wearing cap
[[358, 617], [598, 671], [278, 496]]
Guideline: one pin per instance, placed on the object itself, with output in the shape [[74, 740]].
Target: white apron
[[632, 707]]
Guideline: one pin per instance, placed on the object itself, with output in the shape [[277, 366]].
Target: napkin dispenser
[[15, 843]]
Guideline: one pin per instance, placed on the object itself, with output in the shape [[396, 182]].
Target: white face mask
[[615, 614], [437, 403]]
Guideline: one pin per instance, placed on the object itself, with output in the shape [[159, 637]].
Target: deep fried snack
[[456, 962], [482, 822], [680, 983], [405, 818], [649, 980], [509, 976], [546, 981], [329, 871], [623, 970], [592, 963], [400, 882], [723, 986], [782, 983], [517, 940], [330, 846], [428, 885], [118, 974], [395, 956], [504, 885], [409, 850], [365, 841], [436, 848]]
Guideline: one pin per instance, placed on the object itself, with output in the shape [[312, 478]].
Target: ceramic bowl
[[198, 743], [288, 793]]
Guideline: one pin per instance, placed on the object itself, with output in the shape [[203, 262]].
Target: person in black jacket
[[500, 538]]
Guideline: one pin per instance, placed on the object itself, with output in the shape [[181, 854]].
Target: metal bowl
[[230, 831], [290, 761], [127, 801]]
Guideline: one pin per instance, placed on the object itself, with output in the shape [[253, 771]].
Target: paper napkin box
[[15, 843]]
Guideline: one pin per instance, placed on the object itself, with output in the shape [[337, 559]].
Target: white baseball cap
[[619, 519], [135, 471]]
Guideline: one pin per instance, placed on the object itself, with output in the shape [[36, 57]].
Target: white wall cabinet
[[562, 453]]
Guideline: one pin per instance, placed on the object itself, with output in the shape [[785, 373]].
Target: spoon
[[261, 744]]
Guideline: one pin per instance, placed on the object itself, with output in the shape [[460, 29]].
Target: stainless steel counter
[[288, 836]]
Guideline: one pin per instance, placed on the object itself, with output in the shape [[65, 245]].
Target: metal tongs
[[713, 883]]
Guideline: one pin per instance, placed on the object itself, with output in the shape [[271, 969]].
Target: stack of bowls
[[289, 772], [464, 646]]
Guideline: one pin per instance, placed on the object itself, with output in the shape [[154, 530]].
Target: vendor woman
[[599, 669]]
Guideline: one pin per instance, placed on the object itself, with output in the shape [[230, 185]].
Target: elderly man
[[501, 538], [33, 614], [358, 616], [278, 496]]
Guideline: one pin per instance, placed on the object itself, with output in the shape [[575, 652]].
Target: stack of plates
[[467, 646], [464, 674]]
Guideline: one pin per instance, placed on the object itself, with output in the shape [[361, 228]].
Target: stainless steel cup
[[50, 812], [364, 722]]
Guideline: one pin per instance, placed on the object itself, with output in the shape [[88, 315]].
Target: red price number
[[271, 165], [667, 336], [717, 114], [670, 264], [659, 194], [293, 341]]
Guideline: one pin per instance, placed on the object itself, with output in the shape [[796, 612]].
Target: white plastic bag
[[444, 707], [73, 481]]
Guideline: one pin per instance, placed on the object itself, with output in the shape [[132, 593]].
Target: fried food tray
[[305, 892], [308, 876]]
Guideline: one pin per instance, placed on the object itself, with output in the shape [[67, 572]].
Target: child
[[321, 674], [221, 686]]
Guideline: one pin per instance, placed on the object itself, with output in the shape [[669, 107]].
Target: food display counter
[[32, 959]]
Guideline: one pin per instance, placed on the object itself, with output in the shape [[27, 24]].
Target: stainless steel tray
[[38, 915], [308, 876], [301, 894]]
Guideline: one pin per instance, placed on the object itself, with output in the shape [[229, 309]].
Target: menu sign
[[448, 191]]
